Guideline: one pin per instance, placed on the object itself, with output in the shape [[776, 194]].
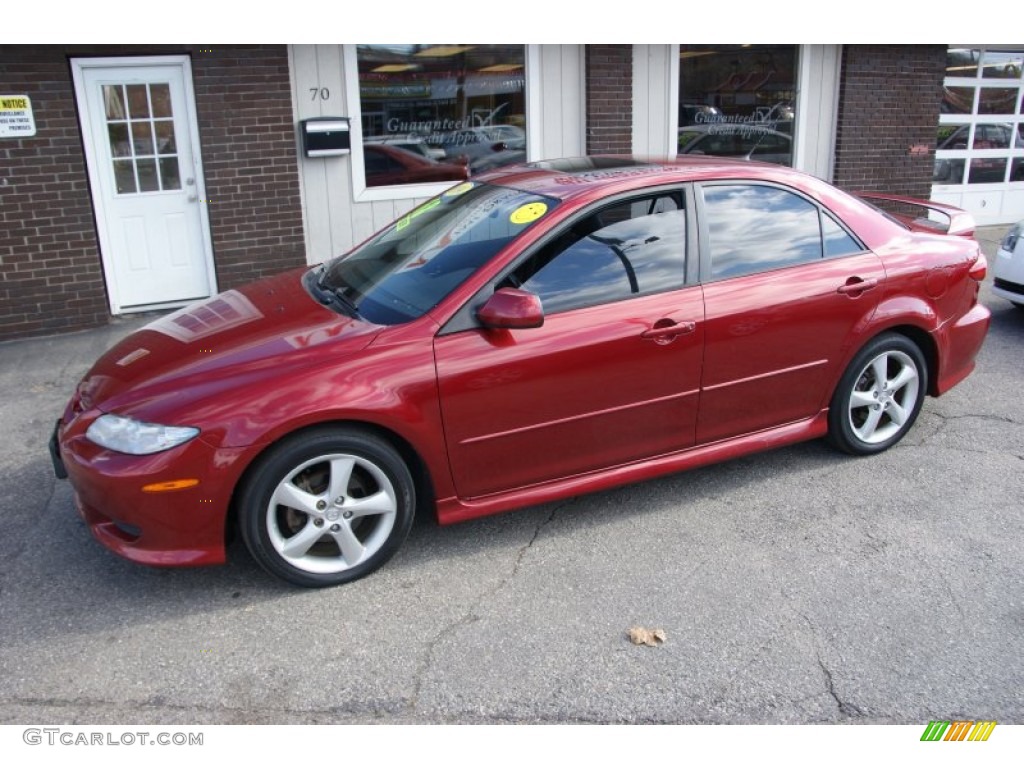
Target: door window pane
[[962, 62], [997, 101], [957, 100], [754, 228], [124, 177], [1004, 65], [113, 102], [737, 101], [170, 178], [441, 112], [142, 138], [160, 96], [138, 101], [165, 137], [120, 146], [987, 170], [148, 180], [629, 249]]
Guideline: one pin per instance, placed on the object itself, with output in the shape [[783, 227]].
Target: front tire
[[879, 396], [327, 507]]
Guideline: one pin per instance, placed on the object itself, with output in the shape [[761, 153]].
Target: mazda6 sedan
[[538, 332]]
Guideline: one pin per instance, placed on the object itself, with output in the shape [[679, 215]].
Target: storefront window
[[440, 112], [738, 101]]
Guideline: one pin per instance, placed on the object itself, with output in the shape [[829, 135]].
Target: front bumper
[[1008, 275], [183, 527]]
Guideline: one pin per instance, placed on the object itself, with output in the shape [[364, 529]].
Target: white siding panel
[[655, 99], [555, 88], [816, 109], [324, 182]]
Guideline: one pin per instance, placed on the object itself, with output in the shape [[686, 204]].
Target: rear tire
[[879, 396], [327, 507]]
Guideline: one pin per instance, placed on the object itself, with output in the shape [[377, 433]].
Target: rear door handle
[[855, 286]]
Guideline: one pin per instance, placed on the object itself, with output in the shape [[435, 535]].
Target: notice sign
[[16, 120]]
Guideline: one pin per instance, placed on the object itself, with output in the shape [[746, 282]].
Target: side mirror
[[512, 308]]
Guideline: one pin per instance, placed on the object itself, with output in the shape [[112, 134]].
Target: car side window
[[755, 228], [838, 241], [628, 249]]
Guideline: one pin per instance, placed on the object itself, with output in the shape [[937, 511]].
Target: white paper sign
[[16, 119]]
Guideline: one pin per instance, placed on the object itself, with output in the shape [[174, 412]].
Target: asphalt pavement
[[794, 586]]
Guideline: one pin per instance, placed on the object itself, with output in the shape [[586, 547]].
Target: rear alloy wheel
[[327, 507], [879, 396]]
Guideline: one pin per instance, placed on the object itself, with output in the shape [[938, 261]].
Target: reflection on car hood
[[241, 336]]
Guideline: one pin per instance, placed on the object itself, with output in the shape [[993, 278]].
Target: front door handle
[[665, 331]]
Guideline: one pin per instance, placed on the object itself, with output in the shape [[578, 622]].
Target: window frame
[[361, 193], [704, 230]]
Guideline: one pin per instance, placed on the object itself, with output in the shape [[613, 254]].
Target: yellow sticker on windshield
[[460, 190], [524, 214]]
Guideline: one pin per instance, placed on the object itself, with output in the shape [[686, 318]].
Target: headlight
[[130, 436], [1010, 241]]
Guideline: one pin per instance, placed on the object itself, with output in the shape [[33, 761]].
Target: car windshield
[[411, 266]]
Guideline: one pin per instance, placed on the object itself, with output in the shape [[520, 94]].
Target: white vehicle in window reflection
[[740, 141]]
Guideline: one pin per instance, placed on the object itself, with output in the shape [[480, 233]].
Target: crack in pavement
[[845, 707], [469, 616]]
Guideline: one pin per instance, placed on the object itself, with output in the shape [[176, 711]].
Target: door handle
[[665, 331], [856, 286], [193, 198]]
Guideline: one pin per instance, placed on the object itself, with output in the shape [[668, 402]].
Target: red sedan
[[542, 331]]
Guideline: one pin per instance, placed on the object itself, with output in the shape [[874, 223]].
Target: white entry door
[[141, 143]]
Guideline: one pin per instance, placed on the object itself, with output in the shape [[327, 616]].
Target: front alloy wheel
[[879, 396], [327, 507]]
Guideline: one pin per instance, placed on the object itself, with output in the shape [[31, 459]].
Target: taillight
[[979, 268]]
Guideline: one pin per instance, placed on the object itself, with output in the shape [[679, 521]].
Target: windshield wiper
[[326, 294]]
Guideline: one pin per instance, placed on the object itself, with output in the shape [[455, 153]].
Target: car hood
[[241, 337]]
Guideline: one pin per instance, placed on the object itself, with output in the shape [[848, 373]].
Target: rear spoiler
[[954, 221]]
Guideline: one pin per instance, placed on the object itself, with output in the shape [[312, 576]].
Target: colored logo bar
[[958, 730]]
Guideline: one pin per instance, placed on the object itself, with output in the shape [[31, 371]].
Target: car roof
[[570, 178]]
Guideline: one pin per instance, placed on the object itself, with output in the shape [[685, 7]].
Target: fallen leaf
[[644, 636]]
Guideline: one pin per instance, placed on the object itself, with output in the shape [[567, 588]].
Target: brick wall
[[888, 115], [50, 274], [243, 98], [609, 99], [51, 277]]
